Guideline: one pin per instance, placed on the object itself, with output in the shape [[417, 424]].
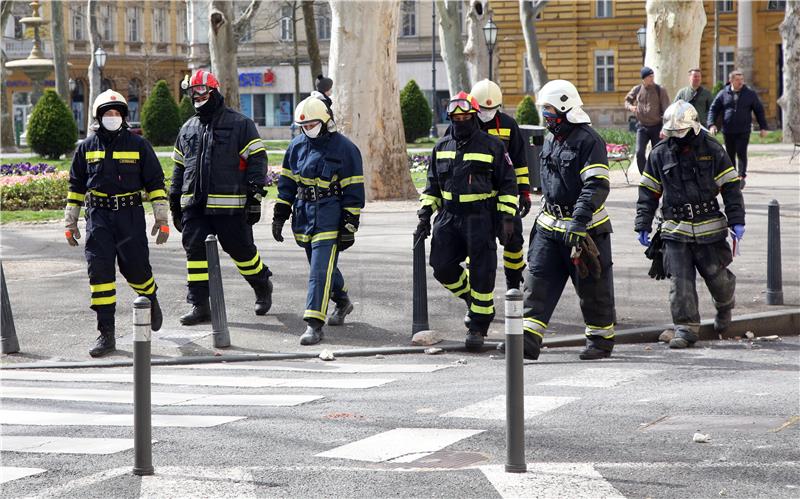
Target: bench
[[617, 153]]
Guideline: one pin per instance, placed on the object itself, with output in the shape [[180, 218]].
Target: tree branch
[[241, 24]]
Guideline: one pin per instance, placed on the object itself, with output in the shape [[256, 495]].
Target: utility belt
[[112, 202], [559, 210], [689, 211], [313, 193]]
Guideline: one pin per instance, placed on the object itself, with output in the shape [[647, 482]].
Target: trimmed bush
[[526, 112], [52, 130], [416, 112], [717, 88], [185, 109], [160, 118]]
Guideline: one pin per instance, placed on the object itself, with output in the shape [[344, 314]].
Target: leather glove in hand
[[252, 205], [575, 233], [347, 230], [506, 229], [279, 217], [424, 225], [177, 213], [644, 237], [524, 203], [161, 226], [71, 214]]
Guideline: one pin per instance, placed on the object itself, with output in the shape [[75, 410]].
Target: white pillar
[[744, 40]]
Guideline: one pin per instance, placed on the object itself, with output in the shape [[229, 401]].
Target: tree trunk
[[476, 52], [222, 49], [452, 46], [312, 45], [790, 100], [674, 32], [93, 72], [295, 54], [7, 141], [366, 96], [60, 49], [528, 10]]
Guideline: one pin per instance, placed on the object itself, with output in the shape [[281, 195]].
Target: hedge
[[160, 119], [526, 112], [416, 112]]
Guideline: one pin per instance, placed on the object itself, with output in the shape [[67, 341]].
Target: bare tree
[[475, 52], [366, 95], [224, 34], [312, 44], [295, 50], [59, 49], [790, 100], [528, 11], [452, 45], [93, 72], [7, 142]]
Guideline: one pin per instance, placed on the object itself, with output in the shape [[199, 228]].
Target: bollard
[[515, 393], [219, 319], [142, 429], [7, 330], [774, 276], [420, 289]]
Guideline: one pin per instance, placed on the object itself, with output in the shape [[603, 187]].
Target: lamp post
[[433, 132], [641, 37], [100, 59], [490, 33]]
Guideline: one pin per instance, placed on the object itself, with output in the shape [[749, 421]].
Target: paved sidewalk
[[48, 284]]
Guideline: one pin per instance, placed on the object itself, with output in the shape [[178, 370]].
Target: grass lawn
[[30, 216]]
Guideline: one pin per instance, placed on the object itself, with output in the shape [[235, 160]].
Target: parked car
[[136, 127]]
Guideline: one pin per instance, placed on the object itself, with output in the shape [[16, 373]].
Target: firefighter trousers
[[549, 266], [457, 237], [325, 281], [513, 256], [116, 236]]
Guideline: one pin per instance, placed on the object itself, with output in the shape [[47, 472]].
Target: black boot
[[722, 321], [343, 307], [467, 318], [532, 346], [683, 338], [513, 282], [474, 340], [156, 317], [313, 334], [263, 298], [105, 343], [597, 347], [199, 314]]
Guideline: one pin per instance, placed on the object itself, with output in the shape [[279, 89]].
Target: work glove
[[644, 237], [506, 229], [161, 226], [71, 214], [424, 224], [524, 203], [655, 252], [177, 213], [280, 215], [586, 259], [252, 205], [348, 226], [737, 232], [575, 233]]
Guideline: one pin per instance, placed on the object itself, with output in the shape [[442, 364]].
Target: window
[[776, 5], [133, 33], [134, 89], [323, 17], [106, 22], [246, 105], [160, 25], [287, 34], [183, 24], [602, 8], [725, 5], [78, 23], [724, 63], [408, 16], [604, 71]]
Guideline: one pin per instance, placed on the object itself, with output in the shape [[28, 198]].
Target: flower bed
[[26, 186]]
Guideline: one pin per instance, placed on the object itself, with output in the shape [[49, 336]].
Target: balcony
[[20, 49]]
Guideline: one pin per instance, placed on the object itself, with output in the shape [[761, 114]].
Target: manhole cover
[[442, 460]]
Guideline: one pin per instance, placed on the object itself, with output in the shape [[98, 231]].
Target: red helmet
[[200, 83], [463, 103]]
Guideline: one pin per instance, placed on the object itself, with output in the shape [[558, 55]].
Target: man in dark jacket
[[733, 106], [689, 170]]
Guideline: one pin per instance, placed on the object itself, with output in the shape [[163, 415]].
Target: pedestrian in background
[[647, 101], [696, 95], [734, 106]]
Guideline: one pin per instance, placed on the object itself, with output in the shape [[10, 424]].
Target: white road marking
[[190, 380], [261, 400], [329, 367], [599, 378], [8, 473], [64, 445], [198, 482], [39, 418], [401, 445], [495, 407], [552, 481]]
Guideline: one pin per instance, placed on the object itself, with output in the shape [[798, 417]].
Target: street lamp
[[490, 33], [71, 86], [433, 133], [100, 59], [641, 37]]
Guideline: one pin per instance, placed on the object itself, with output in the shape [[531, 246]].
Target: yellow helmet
[[109, 99], [488, 94], [311, 109]]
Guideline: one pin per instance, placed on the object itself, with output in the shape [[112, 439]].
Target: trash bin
[[534, 138]]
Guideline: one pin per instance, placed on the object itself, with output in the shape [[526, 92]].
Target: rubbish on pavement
[[380, 356], [749, 335], [460, 361], [326, 355], [773, 337], [700, 438], [666, 335], [433, 350]]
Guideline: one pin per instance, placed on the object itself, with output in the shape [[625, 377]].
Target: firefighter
[[322, 187], [574, 186], [109, 170], [472, 185], [686, 172], [499, 124], [217, 188]]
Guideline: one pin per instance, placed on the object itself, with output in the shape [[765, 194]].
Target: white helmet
[[563, 96], [311, 109], [679, 118], [109, 99], [488, 94]]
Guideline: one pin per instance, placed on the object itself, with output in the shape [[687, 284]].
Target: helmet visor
[[460, 106]]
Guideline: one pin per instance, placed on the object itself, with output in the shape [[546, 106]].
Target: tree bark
[[366, 96], [222, 50], [452, 46], [93, 72], [295, 54], [674, 32], [312, 44], [528, 10], [476, 52], [7, 141], [60, 49], [790, 100]]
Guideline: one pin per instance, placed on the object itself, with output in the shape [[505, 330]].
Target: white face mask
[[198, 105], [487, 115], [112, 123], [314, 132]]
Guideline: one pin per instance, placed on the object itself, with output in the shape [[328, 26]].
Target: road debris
[[700, 438]]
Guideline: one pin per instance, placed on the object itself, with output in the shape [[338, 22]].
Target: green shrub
[[185, 109], [52, 130], [160, 119], [416, 112], [617, 136], [716, 89], [526, 112], [48, 192]]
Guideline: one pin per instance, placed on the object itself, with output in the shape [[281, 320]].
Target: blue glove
[[737, 232], [644, 237]]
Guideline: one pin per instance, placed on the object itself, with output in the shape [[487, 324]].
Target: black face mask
[[686, 140], [464, 129], [213, 103], [557, 124]]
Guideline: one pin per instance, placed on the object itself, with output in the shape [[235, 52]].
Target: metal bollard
[[774, 276], [420, 289], [515, 393], [7, 330], [142, 429], [219, 319]]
